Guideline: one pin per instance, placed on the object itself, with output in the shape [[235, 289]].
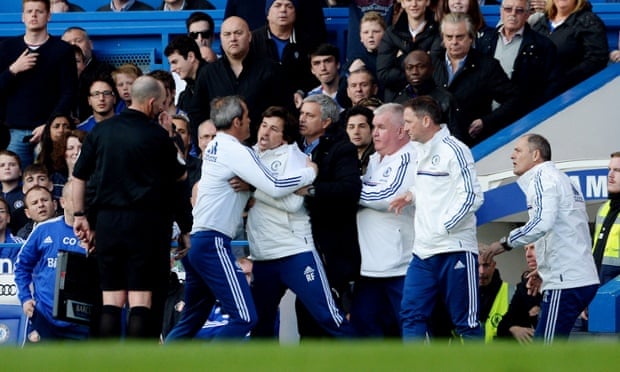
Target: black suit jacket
[[333, 209], [476, 85]]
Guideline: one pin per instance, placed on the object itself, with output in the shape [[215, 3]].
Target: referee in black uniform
[[126, 172]]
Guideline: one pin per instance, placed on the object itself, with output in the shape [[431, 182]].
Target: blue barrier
[[604, 310], [12, 325], [12, 318]]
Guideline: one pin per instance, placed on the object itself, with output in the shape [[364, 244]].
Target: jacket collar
[[527, 177]]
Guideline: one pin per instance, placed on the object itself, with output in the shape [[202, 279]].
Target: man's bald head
[[235, 37]]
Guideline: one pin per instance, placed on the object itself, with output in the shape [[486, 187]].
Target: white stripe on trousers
[[333, 309], [552, 315], [231, 278], [472, 286]]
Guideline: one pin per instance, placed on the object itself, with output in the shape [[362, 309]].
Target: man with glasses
[[94, 69], [200, 27], [131, 167], [528, 57], [102, 99]]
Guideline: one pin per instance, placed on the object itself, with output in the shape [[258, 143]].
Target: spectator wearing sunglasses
[[527, 57], [200, 27]]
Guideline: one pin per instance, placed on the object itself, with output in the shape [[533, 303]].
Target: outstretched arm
[[81, 227]]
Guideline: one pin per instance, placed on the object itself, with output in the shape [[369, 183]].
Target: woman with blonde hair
[[580, 37]]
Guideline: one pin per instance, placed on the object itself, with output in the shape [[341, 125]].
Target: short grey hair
[[455, 18], [527, 4], [395, 110], [225, 109], [329, 108]]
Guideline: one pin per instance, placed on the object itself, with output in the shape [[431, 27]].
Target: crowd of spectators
[[55, 94]]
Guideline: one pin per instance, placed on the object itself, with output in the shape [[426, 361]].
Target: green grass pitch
[[585, 356]]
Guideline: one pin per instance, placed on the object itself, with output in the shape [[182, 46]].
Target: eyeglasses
[[509, 9], [105, 93], [205, 34]]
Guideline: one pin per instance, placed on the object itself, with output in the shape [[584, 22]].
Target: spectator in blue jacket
[[36, 265]]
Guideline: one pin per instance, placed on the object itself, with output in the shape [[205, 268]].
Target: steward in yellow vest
[[606, 247], [494, 298]]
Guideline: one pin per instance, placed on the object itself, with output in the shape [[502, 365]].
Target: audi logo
[[8, 290]]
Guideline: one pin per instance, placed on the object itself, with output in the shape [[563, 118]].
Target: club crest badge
[[387, 172], [276, 166]]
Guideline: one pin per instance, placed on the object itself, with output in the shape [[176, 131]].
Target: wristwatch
[[504, 242], [311, 191]]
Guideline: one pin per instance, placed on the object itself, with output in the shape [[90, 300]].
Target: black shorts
[[133, 249]]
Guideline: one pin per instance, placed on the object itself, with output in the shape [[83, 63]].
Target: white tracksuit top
[[218, 206], [386, 239], [558, 224], [447, 194], [279, 227]]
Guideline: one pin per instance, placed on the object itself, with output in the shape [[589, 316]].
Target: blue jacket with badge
[[36, 264]]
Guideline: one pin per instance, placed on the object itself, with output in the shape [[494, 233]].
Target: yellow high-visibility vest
[[611, 255], [499, 308]]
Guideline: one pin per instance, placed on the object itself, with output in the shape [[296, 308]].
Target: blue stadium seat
[[12, 325], [604, 310]]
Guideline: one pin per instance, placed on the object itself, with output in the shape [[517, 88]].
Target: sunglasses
[[509, 9], [105, 93], [205, 34]]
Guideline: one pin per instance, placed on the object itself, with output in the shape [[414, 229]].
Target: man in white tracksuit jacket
[[446, 193], [385, 238], [280, 237], [558, 224], [211, 268]]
